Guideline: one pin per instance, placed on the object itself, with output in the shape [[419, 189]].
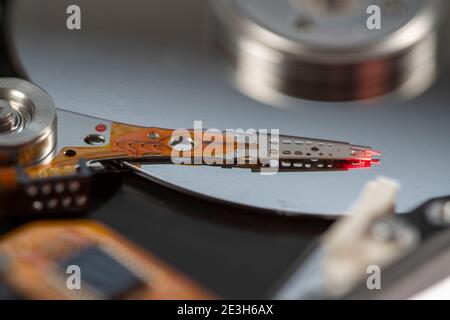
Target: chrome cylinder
[[331, 50], [27, 123]]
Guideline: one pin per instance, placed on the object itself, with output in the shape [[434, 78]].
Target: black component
[[103, 273], [421, 219], [52, 196], [65, 196]]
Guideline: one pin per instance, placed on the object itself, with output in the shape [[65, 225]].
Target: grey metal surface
[[147, 63], [346, 34], [74, 127]]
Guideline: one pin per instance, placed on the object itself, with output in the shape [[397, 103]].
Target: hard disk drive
[[213, 149]]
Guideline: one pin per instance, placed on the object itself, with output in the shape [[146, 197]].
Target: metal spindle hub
[[27, 123]]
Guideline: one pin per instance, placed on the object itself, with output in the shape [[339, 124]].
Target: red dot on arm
[[101, 127]]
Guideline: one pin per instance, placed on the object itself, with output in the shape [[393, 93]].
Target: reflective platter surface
[[150, 63]]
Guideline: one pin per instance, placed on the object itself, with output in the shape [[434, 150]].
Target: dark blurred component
[[327, 50], [76, 259], [103, 273], [415, 275], [407, 252]]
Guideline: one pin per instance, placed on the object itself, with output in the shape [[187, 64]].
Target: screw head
[[5, 109], [394, 231], [438, 213], [153, 135], [8, 117]]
